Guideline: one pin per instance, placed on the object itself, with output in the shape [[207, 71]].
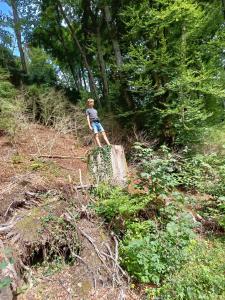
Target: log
[[108, 165]]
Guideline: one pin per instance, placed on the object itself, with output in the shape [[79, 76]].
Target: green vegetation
[[9, 107], [157, 227], [157, 68], [201, 278], [157, 64]]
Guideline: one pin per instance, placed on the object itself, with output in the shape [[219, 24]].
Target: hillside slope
[[59, 248]]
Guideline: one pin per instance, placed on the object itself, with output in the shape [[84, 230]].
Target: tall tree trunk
[[115, 43], [83, 77], [223, 7], [118, 56], [102, 65], [17, 29], [68, 59], [82, 52]]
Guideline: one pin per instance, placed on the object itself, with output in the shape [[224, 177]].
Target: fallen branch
[[6, 229], [96, 249], [58, 156], [14, 205], [86, 186]]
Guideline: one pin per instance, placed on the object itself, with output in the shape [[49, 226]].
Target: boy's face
[[91, 103]]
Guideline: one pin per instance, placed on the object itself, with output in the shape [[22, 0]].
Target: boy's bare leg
[[105, 138], [97, 140]]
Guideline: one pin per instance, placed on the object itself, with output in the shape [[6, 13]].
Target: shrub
[[156, 170], [9, 106], [162, 171], [47, 105], [150, 250], [115, 203], [202, 277]]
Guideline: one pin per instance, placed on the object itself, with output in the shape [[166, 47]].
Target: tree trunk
[[223, 7], [118, 55], [109, 165], [82, 52], [102, 65], [17, 29], [62, 40], [115, 43], [83, 77]]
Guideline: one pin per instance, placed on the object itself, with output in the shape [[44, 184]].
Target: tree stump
[[108, 164]]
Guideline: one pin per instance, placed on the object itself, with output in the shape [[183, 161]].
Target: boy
[[94, 123]]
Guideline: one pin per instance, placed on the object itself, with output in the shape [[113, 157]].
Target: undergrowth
[[159, 234]]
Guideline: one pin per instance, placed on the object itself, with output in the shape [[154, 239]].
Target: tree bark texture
[[108, 165], [17, 29], [102, 65]]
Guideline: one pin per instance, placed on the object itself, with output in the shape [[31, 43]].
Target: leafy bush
[[150, 250], [203, 173], [154, 237], [161, 171], [9, 106], [156, 170], [115, 203], [202, 277]]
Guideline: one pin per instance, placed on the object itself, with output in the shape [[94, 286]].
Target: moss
[[31, 227], [99, 163]]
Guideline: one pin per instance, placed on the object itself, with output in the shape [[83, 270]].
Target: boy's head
[[90, 102]]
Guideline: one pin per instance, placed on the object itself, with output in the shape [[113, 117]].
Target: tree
[[174, 58], [18, 33], [41, 68]]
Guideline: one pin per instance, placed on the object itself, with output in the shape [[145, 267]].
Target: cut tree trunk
[[108, 165]]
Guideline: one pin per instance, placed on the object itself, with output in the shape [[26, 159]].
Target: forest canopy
[[157, 64]]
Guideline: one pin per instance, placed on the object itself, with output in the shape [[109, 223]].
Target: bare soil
[[39, 161]]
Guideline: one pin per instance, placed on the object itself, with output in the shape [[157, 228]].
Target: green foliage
[[168, 67], [115, 204], [41, 68], [9, 105], [156, 170], [5, 282], [155, 226], [151, 250], [163, 170], [201, 278]]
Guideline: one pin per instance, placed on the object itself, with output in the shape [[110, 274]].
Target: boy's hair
[[90, 100]]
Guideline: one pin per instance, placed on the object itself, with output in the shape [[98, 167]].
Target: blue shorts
[[97, 127]]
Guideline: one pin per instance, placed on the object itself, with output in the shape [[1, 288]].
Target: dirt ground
[[22, 166], [40, 160]]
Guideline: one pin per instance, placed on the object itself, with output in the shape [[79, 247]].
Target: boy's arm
[[89, 123]]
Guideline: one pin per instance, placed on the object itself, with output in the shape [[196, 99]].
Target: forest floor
[[47, 216]]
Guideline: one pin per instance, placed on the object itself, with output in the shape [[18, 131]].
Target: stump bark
[[108, 165]]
